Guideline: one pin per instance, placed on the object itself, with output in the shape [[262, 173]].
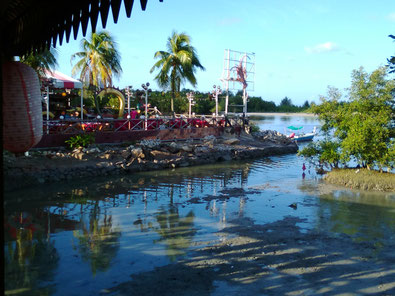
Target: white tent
[[60, 80]]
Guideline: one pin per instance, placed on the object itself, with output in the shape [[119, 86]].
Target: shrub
[[82, 140]]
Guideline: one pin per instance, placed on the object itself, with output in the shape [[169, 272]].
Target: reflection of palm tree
[[98, 244], [176, 232], [25, 255]]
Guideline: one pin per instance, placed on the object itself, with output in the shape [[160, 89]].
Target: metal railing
[[72, 126]]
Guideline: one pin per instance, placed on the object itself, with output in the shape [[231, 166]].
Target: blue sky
[[300, 47]]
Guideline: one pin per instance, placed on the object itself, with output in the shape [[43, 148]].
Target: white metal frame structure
[[238, 74]]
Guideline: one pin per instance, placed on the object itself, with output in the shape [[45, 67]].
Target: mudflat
[[272, 259]]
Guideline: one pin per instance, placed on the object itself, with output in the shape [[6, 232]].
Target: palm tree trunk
[[173, 89], [97, 105]]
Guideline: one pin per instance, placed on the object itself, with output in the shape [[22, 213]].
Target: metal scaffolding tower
[[238, 74]]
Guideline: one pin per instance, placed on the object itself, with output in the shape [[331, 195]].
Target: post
[[47, 101], [190, 108], [190, 97], [128, 93], [82, 103], [146, 108], [227, 84], [216, 92], [226, 100], [146, 90], [244, 101]]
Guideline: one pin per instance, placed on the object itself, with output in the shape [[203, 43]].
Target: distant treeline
[[205, 103]]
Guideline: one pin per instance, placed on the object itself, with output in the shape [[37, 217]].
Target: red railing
[[72, 126]]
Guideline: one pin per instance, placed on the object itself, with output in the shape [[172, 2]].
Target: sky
[[301, 46]]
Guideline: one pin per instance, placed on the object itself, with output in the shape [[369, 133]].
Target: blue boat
[[299, 135]]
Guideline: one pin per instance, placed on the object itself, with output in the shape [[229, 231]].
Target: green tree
[[177, 64], [99, 61], [391, 60], [359, 129], [286, 102], [40, 62]]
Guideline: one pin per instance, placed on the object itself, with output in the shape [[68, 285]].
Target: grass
[[362, 179]]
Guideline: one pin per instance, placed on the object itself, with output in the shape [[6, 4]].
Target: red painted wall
[[57, 140]]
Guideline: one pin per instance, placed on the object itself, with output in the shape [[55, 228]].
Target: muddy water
[[86, 237]]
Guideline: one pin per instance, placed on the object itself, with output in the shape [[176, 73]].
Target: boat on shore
[[299, 135]]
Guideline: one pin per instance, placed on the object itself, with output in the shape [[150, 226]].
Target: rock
[[151, 143], [173, 148], [201, 149], [137, 153], [232, 141], [186, 148], [105, 156], [78, 155], [126, 154], [273, 136]]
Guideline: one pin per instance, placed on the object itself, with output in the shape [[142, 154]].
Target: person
[[134, 113]]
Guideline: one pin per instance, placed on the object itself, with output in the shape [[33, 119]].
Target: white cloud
[[323, 47]]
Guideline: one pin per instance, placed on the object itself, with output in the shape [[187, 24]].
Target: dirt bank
[[61, 165]]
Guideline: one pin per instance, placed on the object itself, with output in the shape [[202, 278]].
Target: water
[[86, 236]]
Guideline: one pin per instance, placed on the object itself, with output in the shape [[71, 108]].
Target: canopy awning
[[61, 80], [294, 128]]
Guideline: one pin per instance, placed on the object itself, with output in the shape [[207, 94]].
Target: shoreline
[[281, 114], [61, 165], [362, 179]]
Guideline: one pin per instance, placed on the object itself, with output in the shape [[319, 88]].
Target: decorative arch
[[119, 95]]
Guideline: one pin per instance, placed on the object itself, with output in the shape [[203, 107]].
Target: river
[[86, 236]]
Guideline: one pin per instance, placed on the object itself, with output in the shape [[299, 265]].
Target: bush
[[82, 140]]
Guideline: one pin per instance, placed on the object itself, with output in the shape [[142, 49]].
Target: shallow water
[[82, 237]]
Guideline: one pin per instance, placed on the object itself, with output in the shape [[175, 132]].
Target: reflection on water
[[97, 240], [85, 236]]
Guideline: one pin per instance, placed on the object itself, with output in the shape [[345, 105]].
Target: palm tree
[[177, 64], [99, 61], [45, 60]]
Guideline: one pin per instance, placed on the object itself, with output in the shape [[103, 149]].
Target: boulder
[[186, 148], [232, 141], [137, 153]]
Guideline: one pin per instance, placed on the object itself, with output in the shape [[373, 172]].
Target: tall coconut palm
[[99, 61], [45, 60], [177, 64]]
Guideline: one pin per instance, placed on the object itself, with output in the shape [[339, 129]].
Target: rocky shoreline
[[56, 165]]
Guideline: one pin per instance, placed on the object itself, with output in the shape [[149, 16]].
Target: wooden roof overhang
[[33, 25]]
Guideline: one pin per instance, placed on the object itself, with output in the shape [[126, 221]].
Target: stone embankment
[[47, 166]]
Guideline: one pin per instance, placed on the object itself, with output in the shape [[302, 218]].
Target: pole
[[47, 101], [244, 101], [146, 108], [190, 107], [82, 103], [216, 104], [129, 101], [227, 84]]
